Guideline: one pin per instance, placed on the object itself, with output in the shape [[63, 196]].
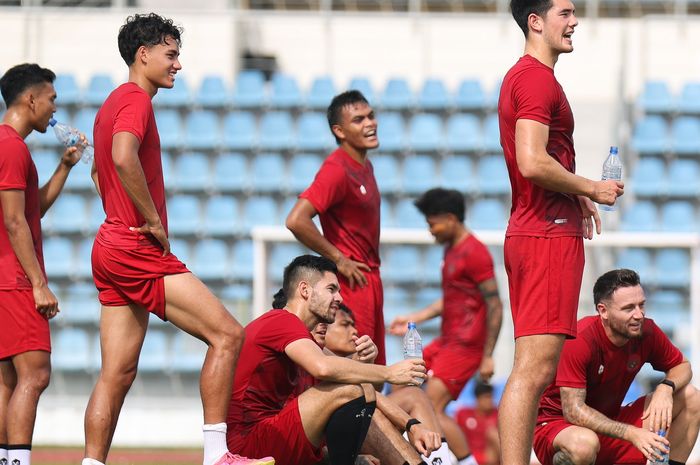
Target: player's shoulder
[[587, 327], [131, 93], [12, 143], [529, 69]]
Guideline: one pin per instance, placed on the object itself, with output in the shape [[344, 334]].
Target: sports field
[[73, 456]]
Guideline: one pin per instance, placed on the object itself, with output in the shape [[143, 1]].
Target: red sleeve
[[480, 266], [133, 113], [328, 187], [14, 165], [535, 94], [573, 362], [664, 354], [282, 331]]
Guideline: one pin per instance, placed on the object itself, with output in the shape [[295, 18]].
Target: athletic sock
[[3, 454], [19, 454], [87, 461], [468, 460], [439, 457], [674, 462], [346, 430], [214, 442]]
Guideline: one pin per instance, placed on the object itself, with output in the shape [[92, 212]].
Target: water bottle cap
[[613, 150], [411, 325], [52, 122]]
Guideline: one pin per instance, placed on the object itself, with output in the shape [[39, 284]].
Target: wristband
[[670, 383], [410, 423]]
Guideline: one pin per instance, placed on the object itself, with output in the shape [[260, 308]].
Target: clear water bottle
[[413, 346], [664, 455], [70, 137], [612, 169]]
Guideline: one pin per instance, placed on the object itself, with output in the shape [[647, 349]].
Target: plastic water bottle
[[413, 346], [612, 169], [664, 455], [70, 137]]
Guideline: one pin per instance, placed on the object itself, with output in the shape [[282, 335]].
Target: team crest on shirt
[[633, 363], [363, 190]]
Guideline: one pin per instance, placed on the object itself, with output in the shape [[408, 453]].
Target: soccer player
[[480, 425], [552, 211], [26, 302], [470, 307], [133, 269], [580, 419], [345, 196], [263, 416]]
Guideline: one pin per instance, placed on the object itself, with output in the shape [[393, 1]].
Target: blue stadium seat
[[277, 131], [649, 177], [166, 161], [84, 121], [419, 174], [396, 302], [386, 171], [236, 294], [492, 176], [397, 95], [673, 268], [68, 215], [285, 92], [667, 308], [67, 90], [46, 162], [59, 257], [260, 211], [71, 350], [402, 263], [689, 100], [80, 177], [249, 89], [154, 353], [210, 260], [96, 215], [302, 169], [685, 135], [181, 249], [426, 133], [188, 354], [457, 173], [684, 178], [638, 260], [408, 216], [169, 129], [242, 260], [179, 96], [183, 215], [230, 172], [487, 214], [280, 256], [79, 305], [313, 133], [202, 130], [386, 218], [213, 93], [267, 173], [432, 269], [492, 135], [192, 173], [650, 135], [641, 216], [321, 93], [240, 131], [83, 262], [221, 216], [98, 89], [463, 133], [470, 95], [365, 87], [678, 216], [392, 131], [656, 98], [434, 95]]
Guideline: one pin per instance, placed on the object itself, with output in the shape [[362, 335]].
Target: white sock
[[468, 460], [3, 454], [87, 461], [439, 457], [23, 456], [214, 442]]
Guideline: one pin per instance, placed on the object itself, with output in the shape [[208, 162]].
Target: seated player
[[580, 419], [480, 425]]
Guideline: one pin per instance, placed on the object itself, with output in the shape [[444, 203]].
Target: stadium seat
[[678, 216], [240, 131], [321, 93], [432, 268], [79, 304], [192, 173], [242, 260], [179, 96], [434, 96], [58, 257], [689, 101], [98, 89], [425, 133], [386, 218], [188, 354], [249, 90], [84, 121], [235, 294], [221, 216], [71, 350], [259, 211], [470, 95], [638, 260], [673, 268], [365, 87], [202, 131], [169, 129], [457, 173], [649, 177], [67, 90], [213, 93], [210, 260], [230, 172], [392, 131], [154, 353], [386, 171], [181, 249], [302, 169], [402, 263], [83, 261], [684, 178], [46, 162], [313, 133], [685, 136], [396, 302], [68, 215], [492, 176], [267, 173], [419, 174], [280, 256], [408, 216], [640, 216], [277, 131], [492, 135], [166, 161], [285, 92], [463, 133], [80, 177], [183, 215], [656, 98], [650, 135], [397, 95], [667, 308], [96, 215], [487, 214]]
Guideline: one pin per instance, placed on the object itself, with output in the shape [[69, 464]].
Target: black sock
[[346, 430], [673, 462]]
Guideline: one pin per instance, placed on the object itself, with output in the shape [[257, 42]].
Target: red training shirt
[[530, 91], [346, 196], [593, 362], [475, 425], [127, 109], [17, 171]]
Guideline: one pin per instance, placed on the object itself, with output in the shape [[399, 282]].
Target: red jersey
[[475, 426], [530, 91], [593, 362], [265, 377], [127, 109], [17, 171], [465, 266], [346, 196]]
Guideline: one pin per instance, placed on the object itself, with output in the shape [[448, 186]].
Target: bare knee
[[691, 401], [537, 374], [228, 336], [36, 380], [120, 379], [581, 449]]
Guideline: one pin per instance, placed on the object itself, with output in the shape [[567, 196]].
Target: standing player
[[580, 420], [26, 302], [470, 307], [133, 269], [345, 196], [552, 210]]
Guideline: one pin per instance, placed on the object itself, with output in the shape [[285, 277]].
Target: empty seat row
[[664, 267], [656, 97], [653, 135], [672, 216], [651, 178]]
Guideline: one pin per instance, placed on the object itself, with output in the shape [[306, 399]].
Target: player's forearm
[[681, 375], [431, 311], [578, 413], [21, 242], [347, 371], [133, 179], [547, 173], [308, 234], [494, 319], [49, 192]]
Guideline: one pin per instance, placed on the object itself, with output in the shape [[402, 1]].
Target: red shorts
[[133, 276], [23, 328], [281, 436], [453, 364], [612, 451], [367, 304], [544, 279]]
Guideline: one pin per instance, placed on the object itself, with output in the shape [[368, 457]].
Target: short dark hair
[[611, 281], [347, 310], [439, 201], [339, 102], [20, 78], [522, 9], [147, 30], [303, 267], [482, 388]]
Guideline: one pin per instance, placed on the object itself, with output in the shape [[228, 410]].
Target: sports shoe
[[234, 459]]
